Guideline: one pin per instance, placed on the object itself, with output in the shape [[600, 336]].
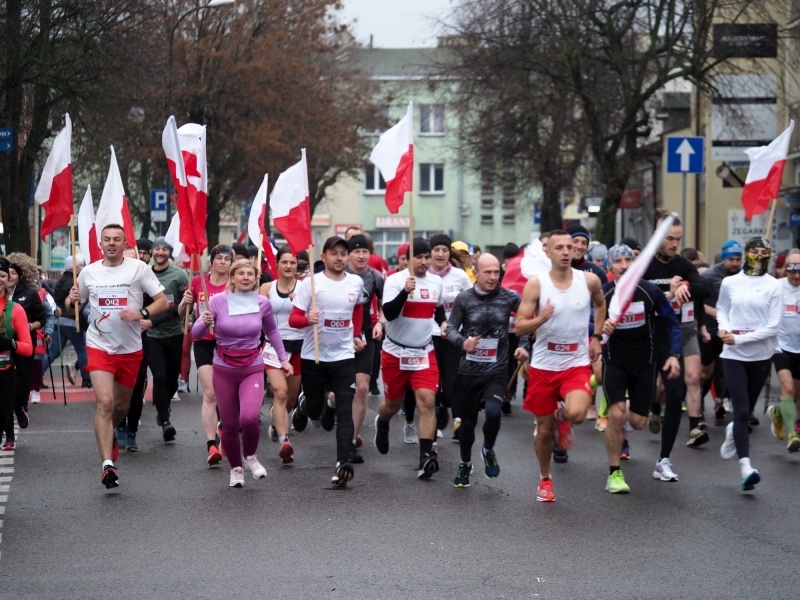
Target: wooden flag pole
[[411, 238], [773, 206], [313, 301], [74, 270]]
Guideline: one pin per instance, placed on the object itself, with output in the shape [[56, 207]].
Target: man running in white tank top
[[562, 353]]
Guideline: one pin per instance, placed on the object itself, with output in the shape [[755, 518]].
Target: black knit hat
[[440, 239], [578, 230], [421, 246], [145, 244]]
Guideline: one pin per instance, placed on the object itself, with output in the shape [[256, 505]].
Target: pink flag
[[394, 157], [54, 192], [113, 208], [291, 206], [87, 231], [192, 139], [256, 227], [626, 286], [765, 174]]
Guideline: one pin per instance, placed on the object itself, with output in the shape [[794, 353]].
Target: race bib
[[414, 359], [633, 317], [676, 306], [562, 348], [335, 322], [271, 356], [743, 327], [5, 359], [790, 311], [687, 312], [448, 306], [485, 351], [112, 300], [170, 300]]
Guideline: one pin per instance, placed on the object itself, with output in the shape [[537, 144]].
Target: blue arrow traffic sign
[[6, 139], [685, 154]]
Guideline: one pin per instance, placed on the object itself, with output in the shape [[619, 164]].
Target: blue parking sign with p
[[158, 206]]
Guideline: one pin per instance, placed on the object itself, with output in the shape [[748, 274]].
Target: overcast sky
[[396, 23]]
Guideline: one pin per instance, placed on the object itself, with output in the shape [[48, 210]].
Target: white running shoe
[[35, 397], [728, 448], [663, 471], [410, 434], [237, 477], [256, 468]]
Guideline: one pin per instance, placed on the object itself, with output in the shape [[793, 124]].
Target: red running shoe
[[286, 453], [214, 456], [564, 433], [545, 492], [114, 451], [110, 478], [22, 417], [219, 438]]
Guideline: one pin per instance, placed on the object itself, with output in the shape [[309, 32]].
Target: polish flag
[[256, 227], [765, 174], [113, 208], [626, 285], [394, 157], [170, 141], [291, 206], [87, 230], [173, 238], [54, 192], [192, 140]]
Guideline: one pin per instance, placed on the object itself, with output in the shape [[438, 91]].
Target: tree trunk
[[606, 227], [212, 223], [551, 217]]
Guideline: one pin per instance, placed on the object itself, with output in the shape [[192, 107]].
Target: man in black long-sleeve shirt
[[683, 286]]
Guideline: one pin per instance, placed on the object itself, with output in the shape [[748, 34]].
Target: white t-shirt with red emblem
[[335, 301], [413, 328]]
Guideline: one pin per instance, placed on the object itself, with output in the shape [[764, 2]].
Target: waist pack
[[239, 358]]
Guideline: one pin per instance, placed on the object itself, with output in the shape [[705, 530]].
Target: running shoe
[[35, 397], [545, 492], [750, 477], [344, 473], [654, 423], [410, 434], [168, 432], [115, 448], [728, 448], [328, 417], [591, 414], [237, 477], [110, 479], [490, 466], [130, 442], [702, 426], [625, 451], [214, 456], [456, 425], [697, 437], [273, 433], [615, 484], [219, 438], [462, 475], [355, 457], [381, 435], [754, 419], [794, 442], [564, 433], [601, 424], [664, 472], [359, 441], [428, 465], [10, 444], [22, 417], [256, 468], [183, 386], [727, 405], [70, 375], [776, 422], [299, 416], [559, 454], [286, 453]]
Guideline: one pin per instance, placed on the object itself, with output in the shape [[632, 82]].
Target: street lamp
[[211, 4]]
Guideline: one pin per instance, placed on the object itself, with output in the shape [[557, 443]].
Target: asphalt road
[[174, 529]]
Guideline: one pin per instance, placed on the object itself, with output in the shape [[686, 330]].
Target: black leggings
[[135, 408], [164, 360], [745, 381], [674, 390], [337, 377], [472, 393], [23, 370], [8, 390]]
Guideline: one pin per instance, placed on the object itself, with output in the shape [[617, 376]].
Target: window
[[373, 180], [508, 219], [487, 219], [432, 119], [487, 204], [431, 178]]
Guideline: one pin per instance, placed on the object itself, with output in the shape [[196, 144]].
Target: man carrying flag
[[629, 361]]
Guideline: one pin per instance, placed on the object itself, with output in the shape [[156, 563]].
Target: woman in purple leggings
[[239, 316]]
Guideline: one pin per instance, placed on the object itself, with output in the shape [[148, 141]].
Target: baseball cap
[[332, 241]]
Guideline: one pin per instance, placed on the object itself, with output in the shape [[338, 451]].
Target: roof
[[402, 63]]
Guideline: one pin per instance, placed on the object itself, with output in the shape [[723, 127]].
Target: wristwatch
[[598, 337], [145, 313]]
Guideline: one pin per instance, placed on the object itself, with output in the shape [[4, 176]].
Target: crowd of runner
[[440, 331]]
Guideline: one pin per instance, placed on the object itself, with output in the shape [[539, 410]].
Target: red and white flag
[[192, 140], [394, 157], [256, 227], [626, 285], [765, 174], [113, 208], [291, 206], [173, 238], [87, 230], [54, 192]]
